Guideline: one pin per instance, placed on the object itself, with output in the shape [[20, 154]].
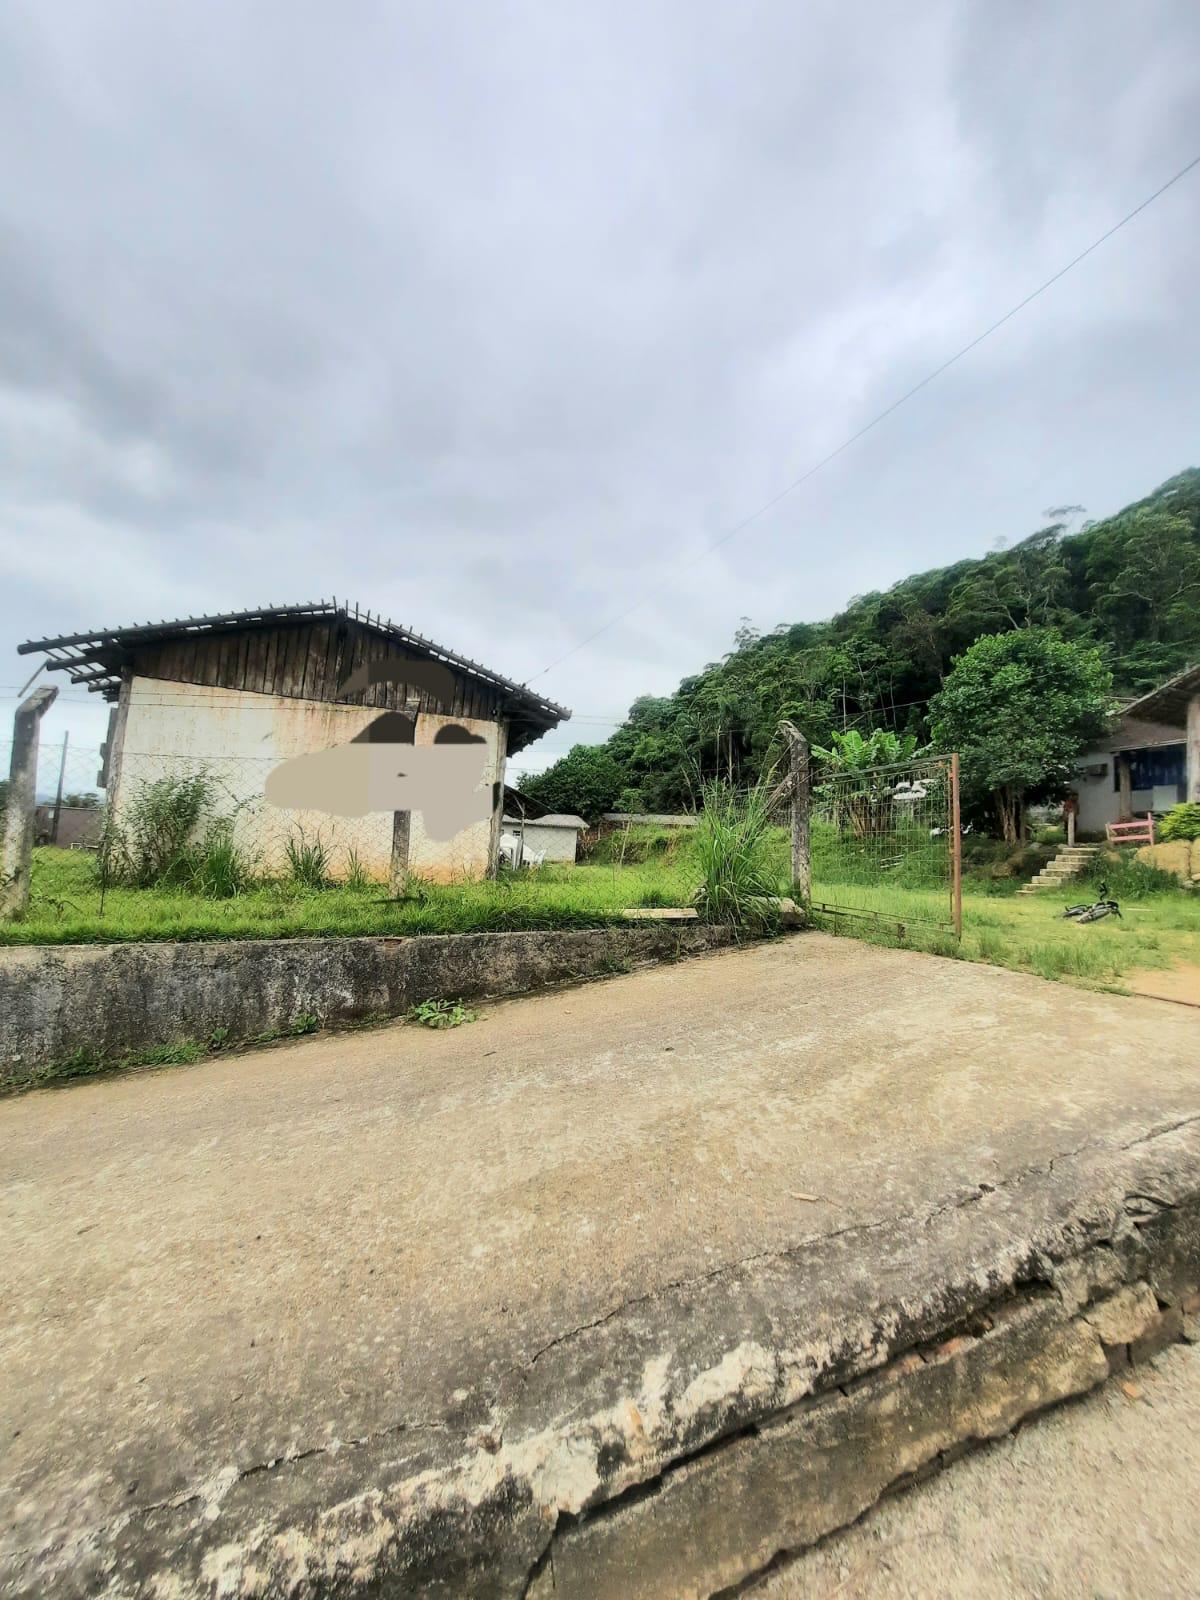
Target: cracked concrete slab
[[417, 1308]]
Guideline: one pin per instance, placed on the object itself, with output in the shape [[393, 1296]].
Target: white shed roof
[[555, 819]]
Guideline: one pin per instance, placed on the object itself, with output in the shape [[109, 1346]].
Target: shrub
[[308, 860], [1129, 879], [150, 844], [739, 876], [1181, 822]]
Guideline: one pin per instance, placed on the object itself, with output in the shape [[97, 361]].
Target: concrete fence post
[[16, 850], [801, 805]]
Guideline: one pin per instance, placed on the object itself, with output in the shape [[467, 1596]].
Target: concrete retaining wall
[[107, 1002]]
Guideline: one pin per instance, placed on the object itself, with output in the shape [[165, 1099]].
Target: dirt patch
[[1179, 983]]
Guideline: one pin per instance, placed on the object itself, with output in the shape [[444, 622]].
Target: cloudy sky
[[493, 317]]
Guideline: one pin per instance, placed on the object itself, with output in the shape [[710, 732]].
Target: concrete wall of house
[[240, 736]]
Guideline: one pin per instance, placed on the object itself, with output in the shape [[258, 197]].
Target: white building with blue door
[[1149, 762]]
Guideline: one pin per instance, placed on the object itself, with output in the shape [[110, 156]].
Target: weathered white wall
[[239, 737], [1099, 801], [557, 844], [469, 853]]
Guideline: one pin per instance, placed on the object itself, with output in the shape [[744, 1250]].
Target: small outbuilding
[[554, 837]]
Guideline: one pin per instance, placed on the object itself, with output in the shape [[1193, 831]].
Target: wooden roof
[[96, 658], [1169, 702]]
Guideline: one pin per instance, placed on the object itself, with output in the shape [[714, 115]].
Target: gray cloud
[[494, 318]]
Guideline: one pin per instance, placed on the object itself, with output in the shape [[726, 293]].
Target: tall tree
[[585, 782], [1019, 708]]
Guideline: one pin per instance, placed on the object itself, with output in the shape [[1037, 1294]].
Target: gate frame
[[800, 785]]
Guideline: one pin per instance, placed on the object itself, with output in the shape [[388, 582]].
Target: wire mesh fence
[[69, 807], [224, 797], [884, 842]]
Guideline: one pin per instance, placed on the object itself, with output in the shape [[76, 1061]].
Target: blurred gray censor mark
[[382, 769]]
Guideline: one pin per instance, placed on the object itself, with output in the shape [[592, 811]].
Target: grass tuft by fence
[[736, 858]]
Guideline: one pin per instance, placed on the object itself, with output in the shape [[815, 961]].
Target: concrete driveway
[[262, 1276]]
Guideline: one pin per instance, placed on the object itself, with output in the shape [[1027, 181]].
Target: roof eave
[[1169, 701], [90, 650]]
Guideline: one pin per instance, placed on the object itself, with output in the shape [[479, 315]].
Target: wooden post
[[955, 849], [1192, 772], [801, 805], [62, 772], [1125, 789], [16, 846], [401, 836]]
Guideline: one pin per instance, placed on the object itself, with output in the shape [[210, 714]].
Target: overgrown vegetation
[[65, 904], [1181, 822], [1029, 933], [1128, 585], [736, 858], [1019, 707], [308, 860], [154, 842]]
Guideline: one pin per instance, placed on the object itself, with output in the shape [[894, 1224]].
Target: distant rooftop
[[552, 819]]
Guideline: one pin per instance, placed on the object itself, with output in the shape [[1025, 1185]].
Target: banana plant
[[852, 778]]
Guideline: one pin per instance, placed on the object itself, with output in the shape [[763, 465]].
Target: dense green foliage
[[586, 782], [850, 752], [1129, 584], [1181, 822], [1018, 707]]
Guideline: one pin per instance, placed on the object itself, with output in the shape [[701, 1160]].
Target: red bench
[[1139, 831]]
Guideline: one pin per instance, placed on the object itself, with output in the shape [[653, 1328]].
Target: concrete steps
[[1067, 864]]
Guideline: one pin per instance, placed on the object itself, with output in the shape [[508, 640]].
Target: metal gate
[[886, 843]]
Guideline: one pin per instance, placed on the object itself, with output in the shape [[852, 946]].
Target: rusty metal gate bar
[[871, 825]]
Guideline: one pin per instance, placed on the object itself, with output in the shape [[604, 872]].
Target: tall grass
[[1127, 878], [736, 858], [168, 837], [65, 905], [218, 868], [308, 860], [642, 842]]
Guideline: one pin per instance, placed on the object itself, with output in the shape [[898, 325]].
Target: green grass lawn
[[65, 905], [1026, 933]]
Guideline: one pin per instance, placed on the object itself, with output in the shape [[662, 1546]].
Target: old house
[[233, 696], [1149, 762]]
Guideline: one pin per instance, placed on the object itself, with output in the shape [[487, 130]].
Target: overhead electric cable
[[887, 412]]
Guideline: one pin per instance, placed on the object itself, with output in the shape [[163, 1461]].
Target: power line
[[887, 412]]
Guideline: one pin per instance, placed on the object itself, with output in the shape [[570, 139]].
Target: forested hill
[[1130, 583]]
